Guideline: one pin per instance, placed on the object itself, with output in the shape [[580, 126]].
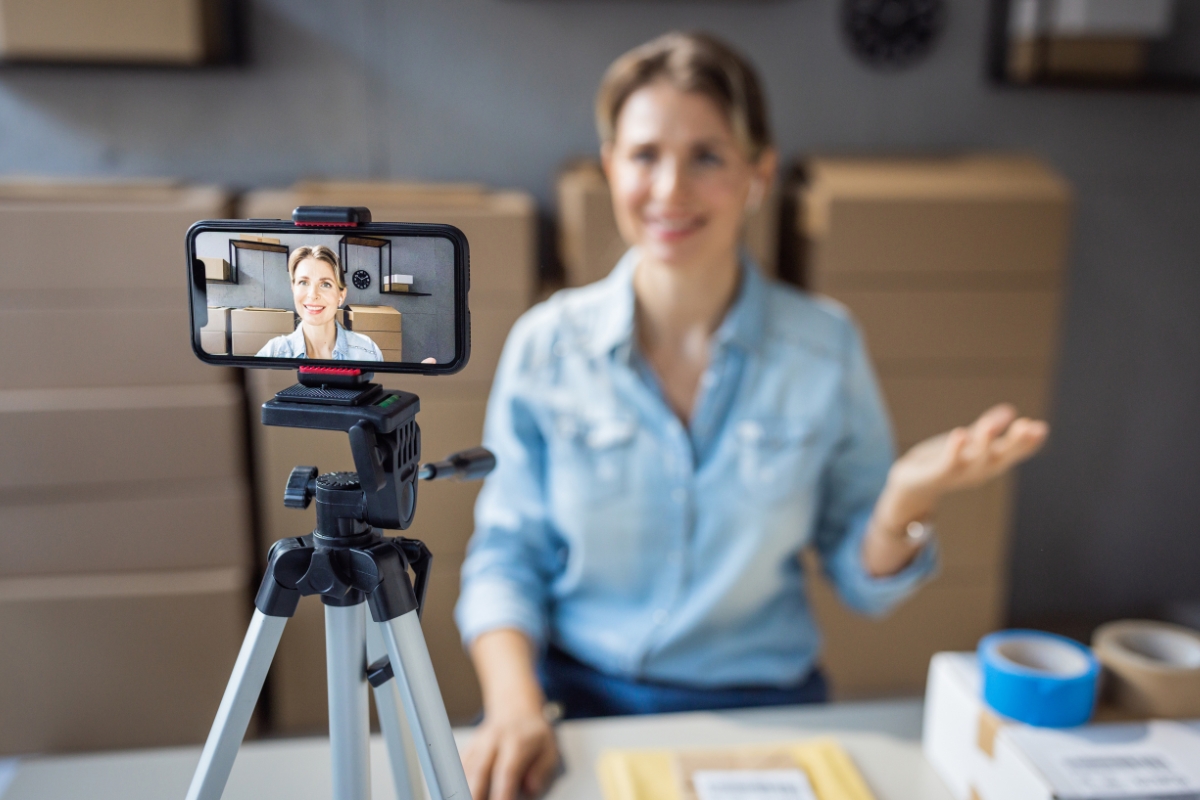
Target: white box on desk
[[983, 756]]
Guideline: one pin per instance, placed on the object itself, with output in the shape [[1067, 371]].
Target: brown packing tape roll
[[1151, 668]]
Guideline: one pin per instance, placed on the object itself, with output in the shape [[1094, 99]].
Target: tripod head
[[346, 557]]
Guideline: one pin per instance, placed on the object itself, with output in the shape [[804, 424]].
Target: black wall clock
[[892, 34]]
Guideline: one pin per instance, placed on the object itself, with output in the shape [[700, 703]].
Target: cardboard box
[[262, 320], [1111, 58], [187, 524], [116, 661], [386, 340], [397, 283], [983, 756], [590, 244], [216, 269], [214, 342], [105, 346], [218, 319], [105, 239], [123, 31], [501, 226], [297, 681], [391, 355], [964, 331], [972, 222], [865, 657], [149, 435], [373, 318], [248, 344]]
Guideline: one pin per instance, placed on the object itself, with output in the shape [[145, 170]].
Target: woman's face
[[315, 292], [680, 183]]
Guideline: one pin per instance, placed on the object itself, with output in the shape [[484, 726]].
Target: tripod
[[352, 566]]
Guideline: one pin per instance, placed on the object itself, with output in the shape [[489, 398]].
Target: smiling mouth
[[674, 229], [314, 310]]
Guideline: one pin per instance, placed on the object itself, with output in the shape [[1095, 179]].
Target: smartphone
[[381, 296]]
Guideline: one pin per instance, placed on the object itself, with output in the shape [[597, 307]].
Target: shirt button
[[660, 616], [678, 495]]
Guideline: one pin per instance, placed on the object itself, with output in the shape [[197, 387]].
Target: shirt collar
[[300, 347], [742, 326]]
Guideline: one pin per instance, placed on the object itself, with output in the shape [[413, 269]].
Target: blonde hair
[[320, 253], [690, 62]]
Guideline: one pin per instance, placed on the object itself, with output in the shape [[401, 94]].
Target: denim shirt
[[656, 551], [350, 346]]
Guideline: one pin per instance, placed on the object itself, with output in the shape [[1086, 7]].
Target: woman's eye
[[644, 156], [708, 158]]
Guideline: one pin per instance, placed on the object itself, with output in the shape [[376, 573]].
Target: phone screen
[[387, 297]]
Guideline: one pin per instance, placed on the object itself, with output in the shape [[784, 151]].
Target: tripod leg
[[423, 700], [349, 717], [237, 704], [402, 752]]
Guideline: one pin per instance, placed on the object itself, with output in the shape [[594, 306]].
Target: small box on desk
[[983, 756]]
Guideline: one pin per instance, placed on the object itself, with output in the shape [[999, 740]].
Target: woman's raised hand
[[959, 459], [968, 457]]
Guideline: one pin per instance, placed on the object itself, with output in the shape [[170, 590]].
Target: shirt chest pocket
[[593, 456], [776, 457]]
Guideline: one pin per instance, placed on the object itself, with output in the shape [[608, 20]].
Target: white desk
[[882, 737]]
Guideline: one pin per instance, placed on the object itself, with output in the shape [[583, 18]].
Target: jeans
[[585, 692]]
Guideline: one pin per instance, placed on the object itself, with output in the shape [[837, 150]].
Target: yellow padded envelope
[[657, 774]]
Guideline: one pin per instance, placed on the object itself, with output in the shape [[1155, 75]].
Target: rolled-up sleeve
[[852, 482], [513, 555]]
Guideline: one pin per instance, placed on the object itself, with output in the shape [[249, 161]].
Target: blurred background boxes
[[125, 533], [589, 243], [501, 229], [1085, 39], [120, 660], [953, 268], [177, 33]]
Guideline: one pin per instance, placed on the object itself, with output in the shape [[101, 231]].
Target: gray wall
[[500, 90]]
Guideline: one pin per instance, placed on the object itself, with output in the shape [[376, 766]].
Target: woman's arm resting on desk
[[513, 749], [959, 459]]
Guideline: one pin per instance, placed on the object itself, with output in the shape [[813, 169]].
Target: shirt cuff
[[488, 604], [878, 595]]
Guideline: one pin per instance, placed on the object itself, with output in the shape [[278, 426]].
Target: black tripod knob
[[300, 487]]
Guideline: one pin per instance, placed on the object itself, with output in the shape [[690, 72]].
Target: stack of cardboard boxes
[[251, 328], [124, 515], [381, 324], [589, 243], [954, 269], [500, 229]]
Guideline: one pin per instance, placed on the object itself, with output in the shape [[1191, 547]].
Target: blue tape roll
[[1039, 678]]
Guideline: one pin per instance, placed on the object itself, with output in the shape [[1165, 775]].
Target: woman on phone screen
[[668, 441], [318, 291]]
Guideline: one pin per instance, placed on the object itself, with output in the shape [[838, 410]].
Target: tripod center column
[[349, 720]]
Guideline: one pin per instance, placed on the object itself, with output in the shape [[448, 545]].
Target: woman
[[318, 290], [671, 438]]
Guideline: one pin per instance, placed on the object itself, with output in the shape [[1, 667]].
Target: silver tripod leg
[[349, 716], [237, 705], [418, 686], [402, 752]]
